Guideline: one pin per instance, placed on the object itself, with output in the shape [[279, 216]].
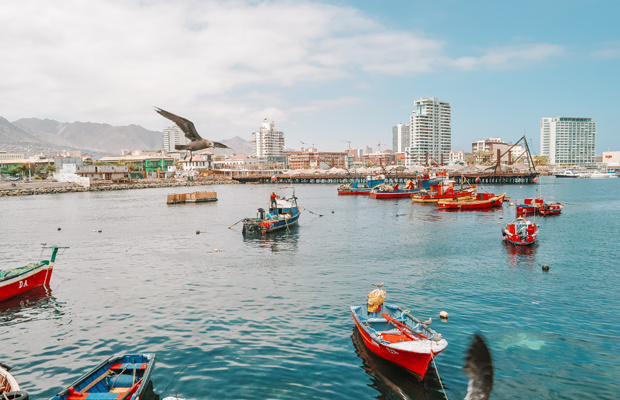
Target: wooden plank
[[96, 381]]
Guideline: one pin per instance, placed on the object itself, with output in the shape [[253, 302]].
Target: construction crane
[[379, 145]]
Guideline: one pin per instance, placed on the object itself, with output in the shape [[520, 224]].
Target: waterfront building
[[486, 150], [401, 136], [386, 158], [356, 154], [5, 155], [314, 159], [202, 161], [268, 141], [431, 132], [456, 156], [368, 150], [568, 140], [611, 159], [171, 136]]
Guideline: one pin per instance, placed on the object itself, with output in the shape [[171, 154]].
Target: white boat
[[603, 175], [567, 174]]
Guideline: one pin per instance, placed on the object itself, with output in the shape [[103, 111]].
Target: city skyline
[[345, 70]]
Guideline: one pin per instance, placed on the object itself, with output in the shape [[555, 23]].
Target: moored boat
[[396, 335], [283, 213], [444, 191], [520, 232], [357, 188], [530, 205], [9, 388], [19, 280], [385, 191], [567, 174], [482, 200], [550, 209], [123, 377]]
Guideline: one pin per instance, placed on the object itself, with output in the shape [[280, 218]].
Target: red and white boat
[[550, 209], [482, 200], [520, 232], [444, 191], [537, 205], [16, 281], [397, 336]]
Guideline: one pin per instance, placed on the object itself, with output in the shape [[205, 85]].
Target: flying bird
[[196, 142], [479, 368]]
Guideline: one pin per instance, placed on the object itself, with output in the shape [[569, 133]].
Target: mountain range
[[92, 136]]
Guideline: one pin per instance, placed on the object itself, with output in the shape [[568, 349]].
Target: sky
[[325, 72]]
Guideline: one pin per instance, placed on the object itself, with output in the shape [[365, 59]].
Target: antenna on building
[[348, 141]]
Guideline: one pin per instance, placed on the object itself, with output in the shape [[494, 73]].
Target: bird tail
[[181, 147]]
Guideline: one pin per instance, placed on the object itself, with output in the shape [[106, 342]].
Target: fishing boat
[[520, 232], [122, 377], [22, 279], [384, 191], [357, 188], [9, 388], [396, 335], [482, 200], [283, 213], [554, 208], [444, 191], [530, 205]]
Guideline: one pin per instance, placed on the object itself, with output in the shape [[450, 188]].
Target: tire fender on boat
[[19, 395]]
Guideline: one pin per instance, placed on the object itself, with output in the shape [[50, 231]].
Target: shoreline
[[50, 188]]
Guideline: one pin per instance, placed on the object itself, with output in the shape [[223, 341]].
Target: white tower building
[[171, 136], [267, 141], [430, 131], [568, 140], [401, 136]]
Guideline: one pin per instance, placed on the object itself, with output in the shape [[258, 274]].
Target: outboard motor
[[261, 213]]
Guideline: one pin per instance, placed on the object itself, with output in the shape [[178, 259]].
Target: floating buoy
[[197, 232], [545, 267], [332, 212], [99, 231], [58, 228], [215, 251], [498, 222], [443, 315], [501, 217], [511, 204]]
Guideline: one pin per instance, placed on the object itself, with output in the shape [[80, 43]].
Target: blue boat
[[357, 188], [122, 377], [283, 213]]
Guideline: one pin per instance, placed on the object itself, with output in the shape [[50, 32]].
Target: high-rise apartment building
[[171, 136], [568, 140], [267, 141], [430, 131], [401, 136]]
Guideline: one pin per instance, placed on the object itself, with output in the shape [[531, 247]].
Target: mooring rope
[[436, 370], [311, 212]]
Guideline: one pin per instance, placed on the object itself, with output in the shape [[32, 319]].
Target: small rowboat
[[530, 206], [355, 188], [482, 200], [9, 388], [399, 337], [20, 280], [550, 209], [434, 196], [520, 232], [121, 377]]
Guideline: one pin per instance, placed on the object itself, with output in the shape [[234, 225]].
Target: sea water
[[267, 317]]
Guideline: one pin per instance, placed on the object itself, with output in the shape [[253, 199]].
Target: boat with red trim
[[22, 279], [283, 214], [554, 208], [397, 336], [530, 205], [482, 200], [121, 377], [520, 232], [9, 388], [357, 188], [444, 191]]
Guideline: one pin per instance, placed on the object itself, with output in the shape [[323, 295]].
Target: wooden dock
[[196, 197]]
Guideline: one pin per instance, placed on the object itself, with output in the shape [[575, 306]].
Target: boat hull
[[23, 283], [472, 204], [416, 363], [354, 192], [280, 224], [394, 194]]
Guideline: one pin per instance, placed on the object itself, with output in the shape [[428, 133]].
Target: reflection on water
[[282, 240], [37, 303], [392, 381], [521, 255]]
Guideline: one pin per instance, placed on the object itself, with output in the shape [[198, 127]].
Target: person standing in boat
[[274, 204], [396, 186]]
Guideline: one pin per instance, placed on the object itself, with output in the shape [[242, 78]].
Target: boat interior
[[378, 326]]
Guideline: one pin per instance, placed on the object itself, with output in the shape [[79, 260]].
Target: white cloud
[[110, 61], [611, 51]]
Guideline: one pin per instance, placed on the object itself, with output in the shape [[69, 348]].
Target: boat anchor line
[[311, 212]]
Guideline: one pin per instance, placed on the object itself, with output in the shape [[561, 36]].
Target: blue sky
[[324, 72]]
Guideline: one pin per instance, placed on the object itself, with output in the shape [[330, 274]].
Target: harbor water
[[267, 317]]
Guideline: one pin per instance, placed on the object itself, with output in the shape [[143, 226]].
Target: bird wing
[[220, 145], [186, 125], [479, 368]]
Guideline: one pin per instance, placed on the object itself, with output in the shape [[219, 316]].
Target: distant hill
[[48, 133], [90, 135]]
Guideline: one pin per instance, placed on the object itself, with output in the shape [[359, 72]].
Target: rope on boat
[[436, 370], [311, 212]]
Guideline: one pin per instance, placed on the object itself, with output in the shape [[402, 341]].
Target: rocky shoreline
[[22, 191]]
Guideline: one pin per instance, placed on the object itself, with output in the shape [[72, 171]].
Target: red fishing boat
[[482, 200], [520, 232], [530, 206], [20, 280], [396, 335], [444, 191], [550, 209]]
